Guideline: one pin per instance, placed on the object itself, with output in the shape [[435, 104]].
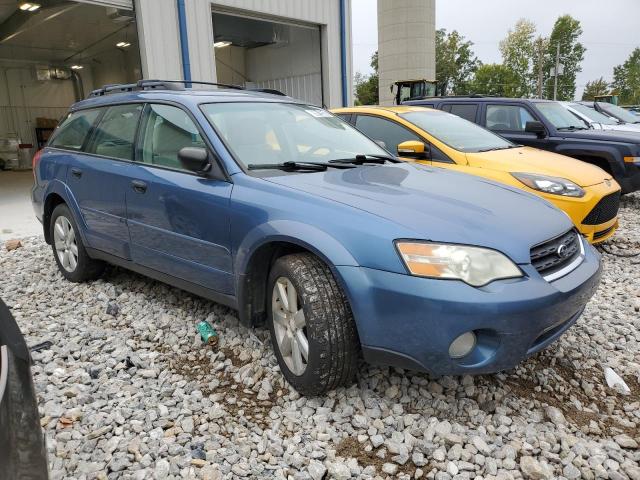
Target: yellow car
[[588, 194]]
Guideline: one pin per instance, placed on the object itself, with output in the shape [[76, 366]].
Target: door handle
[[76, 172], [139, 186]]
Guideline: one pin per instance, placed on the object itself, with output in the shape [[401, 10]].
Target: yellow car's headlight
[[547, 184], [473, 265]]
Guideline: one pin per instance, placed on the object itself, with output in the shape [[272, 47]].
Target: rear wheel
[[312, 328], [69, 252]]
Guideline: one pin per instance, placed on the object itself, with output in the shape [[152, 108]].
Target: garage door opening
[[51, 57], [259, 53]]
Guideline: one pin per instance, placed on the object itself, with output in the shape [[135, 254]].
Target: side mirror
[[194, 159], [535, 127], [413, 149]]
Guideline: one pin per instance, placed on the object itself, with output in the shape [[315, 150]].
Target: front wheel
[[69, 252], [312, 328]]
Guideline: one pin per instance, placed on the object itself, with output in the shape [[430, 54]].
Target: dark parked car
[[22, 448], [620, 114], [549, 126], [290, 215]]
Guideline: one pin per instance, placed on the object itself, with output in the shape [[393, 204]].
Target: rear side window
[[166, 130], [464, 110], [115, 134], [508, 117], [74, 129]]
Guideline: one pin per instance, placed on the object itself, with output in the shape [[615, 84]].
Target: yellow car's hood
[[532, 160]]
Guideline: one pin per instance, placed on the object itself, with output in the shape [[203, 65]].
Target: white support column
[[200, 32], [159, 39]]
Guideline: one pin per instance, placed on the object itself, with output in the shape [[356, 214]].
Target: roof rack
[[169, 85], [471, 95]]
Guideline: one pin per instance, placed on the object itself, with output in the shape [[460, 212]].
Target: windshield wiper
[[572, 128], [293, 166], [361, 159], [493, 149]]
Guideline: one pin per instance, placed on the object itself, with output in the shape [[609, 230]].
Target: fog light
[[462, 345]]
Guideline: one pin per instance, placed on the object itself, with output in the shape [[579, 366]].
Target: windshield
[[560, 117], [618, 112], [592, 114], [263, 133], [457, 132]]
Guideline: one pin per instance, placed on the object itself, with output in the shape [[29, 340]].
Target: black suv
[[549, 126]]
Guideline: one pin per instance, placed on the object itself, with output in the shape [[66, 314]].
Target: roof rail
[[471, 95], [169, 85]]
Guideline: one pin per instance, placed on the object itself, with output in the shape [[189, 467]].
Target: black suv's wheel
[[68, 250], [312, 328]]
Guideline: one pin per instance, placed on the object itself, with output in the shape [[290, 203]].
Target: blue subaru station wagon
[[286, 213]]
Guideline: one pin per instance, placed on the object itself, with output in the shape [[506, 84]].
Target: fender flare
[[305, 236], [610, 154], [62, 190]]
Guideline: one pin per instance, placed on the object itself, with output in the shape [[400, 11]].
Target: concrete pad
[[17, 219]]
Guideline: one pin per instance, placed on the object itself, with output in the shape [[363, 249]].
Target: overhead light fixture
[[223, 43], [29, 7], [123, 44], [76, 67]]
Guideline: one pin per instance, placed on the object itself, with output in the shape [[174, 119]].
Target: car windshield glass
[[261, 133], [560, 117], [618, 112], [592, 114], [457, 132]]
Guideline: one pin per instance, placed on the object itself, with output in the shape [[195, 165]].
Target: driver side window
[[511, 118], [165, 131], [382, 130]]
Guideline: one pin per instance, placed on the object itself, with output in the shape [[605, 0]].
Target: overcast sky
[[611, 29]]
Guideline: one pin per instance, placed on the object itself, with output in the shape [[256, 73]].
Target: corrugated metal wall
[[160, 44]]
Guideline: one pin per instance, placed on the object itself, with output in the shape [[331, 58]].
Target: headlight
[[634, 160], [553, 185], [473, 265]]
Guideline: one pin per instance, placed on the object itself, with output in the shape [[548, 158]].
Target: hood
[[532, 160], [623, 127], [603, 136], [440, 205]]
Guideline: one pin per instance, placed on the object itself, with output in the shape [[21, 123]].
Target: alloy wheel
[[64, 237], [290, 326]]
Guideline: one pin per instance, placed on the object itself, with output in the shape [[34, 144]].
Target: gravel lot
[[128, 391]]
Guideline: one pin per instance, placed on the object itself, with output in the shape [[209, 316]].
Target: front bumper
[[579, 209], [410, 322]]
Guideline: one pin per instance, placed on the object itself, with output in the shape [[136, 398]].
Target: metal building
[[406, 43], [53, 52]]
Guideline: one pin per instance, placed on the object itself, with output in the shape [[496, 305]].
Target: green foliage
[[594, 88], [455, 62], [495, 79], [519, 56], [626, 79], [565, 33], [367, 85]]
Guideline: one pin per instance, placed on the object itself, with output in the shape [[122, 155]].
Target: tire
[[329, 328], [83, 268]]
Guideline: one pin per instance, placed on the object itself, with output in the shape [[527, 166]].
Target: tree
[[495, 79], [565, 33], [595, 87], [455, 62], [626, 79], [367, 85], [519, 54]]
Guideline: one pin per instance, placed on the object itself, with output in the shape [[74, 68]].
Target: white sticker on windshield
[[319, 113]]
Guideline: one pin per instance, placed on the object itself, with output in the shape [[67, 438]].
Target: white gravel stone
[[134, 394]]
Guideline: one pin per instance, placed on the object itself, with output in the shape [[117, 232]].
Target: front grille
[[606, 209], [555, 254]]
